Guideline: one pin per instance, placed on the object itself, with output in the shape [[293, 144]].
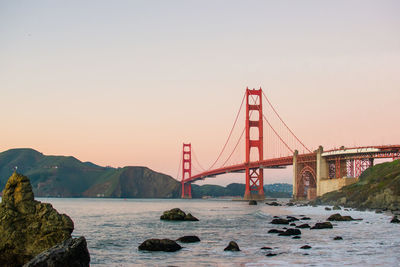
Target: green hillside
[[377, 188], [61, 176]]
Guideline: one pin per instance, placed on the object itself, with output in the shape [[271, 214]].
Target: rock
[[339, 218], [379, 211], [232, 246], [338, 238], [166, 245], [324, 225], [271, 254], [72, 252], [306, 247], [291, 218], [327, 208], [291, 231], [336, 207], [177, 214], [266, 248], [346, 209], [275, 231], [252, 202], [28, 227], [280, 221], [273, 203], [190, 217], [289, 204], [305, 225], [395, 220], [305, 218], [188, 239], [296, 237], [292, 224]]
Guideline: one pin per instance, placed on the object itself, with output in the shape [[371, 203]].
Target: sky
[[123, 83]]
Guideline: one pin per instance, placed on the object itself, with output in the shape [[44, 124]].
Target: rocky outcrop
[[324, 225], [339, 218], [290, 232], [280, 221], [232, 246], [177, 214], [188, 239], [395, 220], [166, 245], [304, 225], [72, 252], [28, 227]]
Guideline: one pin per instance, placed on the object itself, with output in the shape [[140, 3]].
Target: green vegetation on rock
[[377, 188]]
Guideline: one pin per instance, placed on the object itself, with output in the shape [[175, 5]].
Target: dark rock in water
[[327, 208], [271, 254], [276, 217], [289, 204], [266, 248], [28, 227], [232, 246], [72, 252], [177, 214], [166, 245], [305, 225], [273, 203], [292, 224], [188, 239], [336, 207], [252, 202], [296, 237], [306, 247], [324, 225], [395, 220], [291, 231], [305, 218], [190, 217], [339, 218], [338, 238], [379, 211], [275, 231], [280, 221], [291, 218], [346, 209]]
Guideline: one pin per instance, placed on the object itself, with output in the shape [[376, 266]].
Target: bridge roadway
[[389, 151]]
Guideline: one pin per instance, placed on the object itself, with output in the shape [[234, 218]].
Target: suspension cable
[[179, 168], [197, 161], [230, 134], [240, 138], [270, 104]]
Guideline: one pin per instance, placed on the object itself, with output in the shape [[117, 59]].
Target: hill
[[377, 188], [60, 176]]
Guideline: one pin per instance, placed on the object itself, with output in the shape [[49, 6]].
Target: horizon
[[126, 83]]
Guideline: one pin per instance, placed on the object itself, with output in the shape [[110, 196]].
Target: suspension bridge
[[314, 172]]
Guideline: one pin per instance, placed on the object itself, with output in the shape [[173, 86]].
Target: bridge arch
[[307, 183]]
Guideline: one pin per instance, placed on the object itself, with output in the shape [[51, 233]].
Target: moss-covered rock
[[28, 227], [177, 214]]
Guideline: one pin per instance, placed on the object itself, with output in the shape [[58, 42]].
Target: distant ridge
[[66, 176]]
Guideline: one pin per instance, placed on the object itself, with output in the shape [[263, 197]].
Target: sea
[[114, 228]]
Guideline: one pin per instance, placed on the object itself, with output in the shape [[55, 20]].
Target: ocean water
[[114, 228]]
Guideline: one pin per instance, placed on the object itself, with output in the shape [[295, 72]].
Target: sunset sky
[[126, 82]]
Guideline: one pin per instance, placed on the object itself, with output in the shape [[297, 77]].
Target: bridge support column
[[295, 172], [254, 176], [186, 170], [322, 169]]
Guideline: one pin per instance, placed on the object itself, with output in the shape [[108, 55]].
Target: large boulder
[[166, 245], [280, 221], [232, 246], [28, 227], [291, 231], [324, 225], [72, 252], [189, 239], [177, 214], [339, 218]]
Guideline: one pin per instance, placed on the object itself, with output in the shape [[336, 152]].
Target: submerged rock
[[327, 208], [296, 237], [336, 207], [177, 214], [291, 218], [305, 247], [28, 227], [188, 239], [232, 246], [273, 203], [305, 225], [339, 218], [268, 248], [395, 220], [252, 202], [338, 238], [291, 231], [166, 245], [271, 254], [72, 252], [280, 221], [275, 231], [305, 218], [324, 225]]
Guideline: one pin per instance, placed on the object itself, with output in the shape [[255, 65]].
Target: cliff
[[377, 188]]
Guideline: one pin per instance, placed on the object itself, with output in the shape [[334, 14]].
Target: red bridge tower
[[186, 170]]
